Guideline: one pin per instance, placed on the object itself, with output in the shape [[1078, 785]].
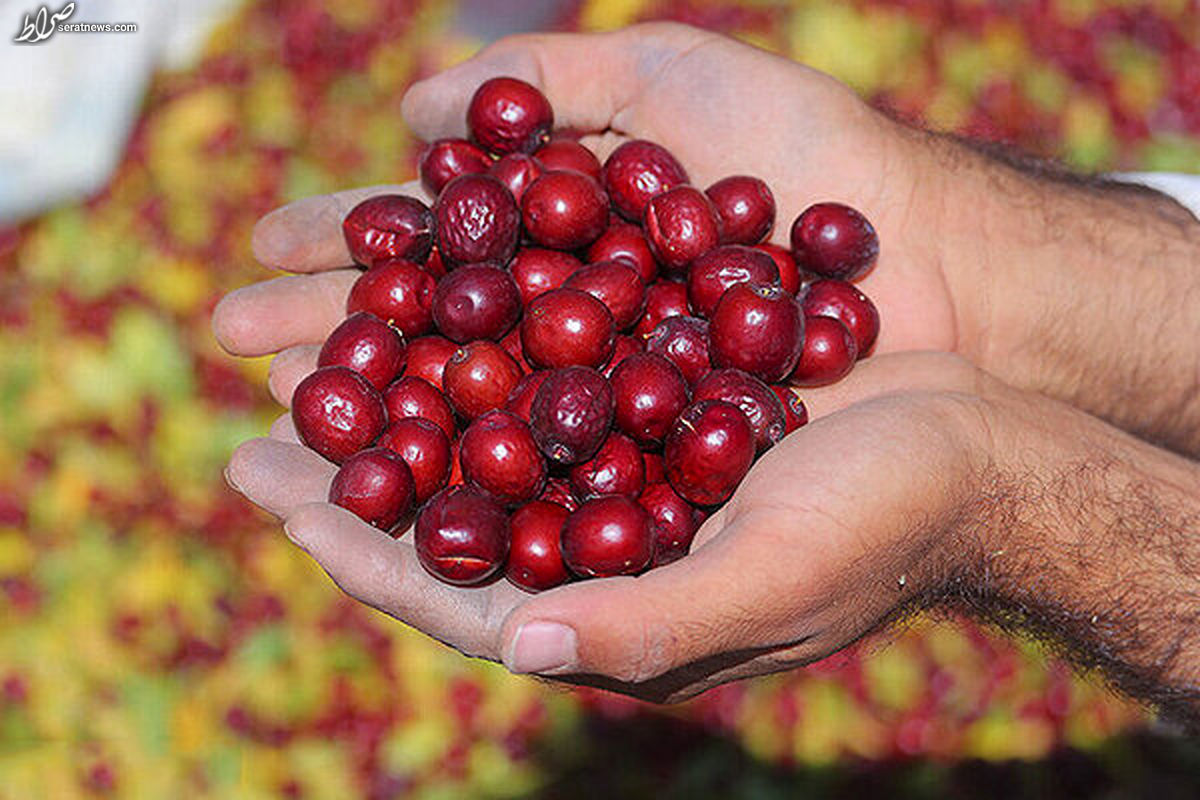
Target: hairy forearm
[[1092, 542], [1079, 288]]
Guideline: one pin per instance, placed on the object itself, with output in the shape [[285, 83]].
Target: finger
[[306, 236], [589, 78], [289, 368], [283, 429], [384, 572], [269, 316], [279, 476]]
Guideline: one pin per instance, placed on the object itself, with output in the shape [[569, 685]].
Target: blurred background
[[160, 638]]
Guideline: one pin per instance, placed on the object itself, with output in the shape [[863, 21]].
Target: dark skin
[[993, 457]]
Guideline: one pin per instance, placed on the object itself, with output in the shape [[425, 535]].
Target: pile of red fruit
[[563, 366]]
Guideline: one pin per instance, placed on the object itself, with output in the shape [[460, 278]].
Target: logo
[[43, 25]]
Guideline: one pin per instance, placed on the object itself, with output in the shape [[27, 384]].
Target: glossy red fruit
[[684, 341], [520, 399], [624, 242], [376, 485], [617, 285], [565, 210], [462, 536], [675, 522], [477, 220], [516, 171], [746, 208], [829, 353], [567, 327], [845, 303], [478, 301], [479, 377], [608, 536], [425, 447], [708, 452], [637, 171], [789, 273], [663, 299], [649, 392], [569, 154], [508, 115], [617, 468], [337, 412], [433, 265], [718, 269], [834, 241], [443, 160], [762, 407], [499, 455], [537, 270], [571, 414], [757, 329], [512, 345], [399, 292], [427, 357], [410, 396], [535, 560], [366, 344], [795, 412], [656, 468], [681, 225], [558, 491], [388, 226], [625, 347]]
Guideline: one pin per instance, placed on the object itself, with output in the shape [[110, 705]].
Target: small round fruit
[[681, 225], [675, 522], [624, 242], [684, 341], [477, 220], [746, 208], [427, 357], [337, 412], [462, 536], [708, 452], [567, 327], [663, 299], [537, 270], [649, 392], [845, 303], [399, 292], [637, 171], [516, 171], [478, 301], [571, 414], [367, 345], [829, 353], [388, 226], [625, 347], [569, 154], [535, 560], [718, 269], [479, 377], [762, 407], [410, 396], [617, 285], [617, 468], [789, 273], [608, 536], [508, 115], [443, 160], [834, 241], [376, 485], [520, 399], [757, 329], [558, 491], [795, 412], [565, 210], [499, 455], [426, 450]]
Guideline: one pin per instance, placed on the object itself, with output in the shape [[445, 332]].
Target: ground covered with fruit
[[161, 638]]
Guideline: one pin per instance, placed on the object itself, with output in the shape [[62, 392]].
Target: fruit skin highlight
[[462, 536]]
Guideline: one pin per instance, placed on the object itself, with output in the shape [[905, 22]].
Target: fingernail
[[232, 483], [542, 647]]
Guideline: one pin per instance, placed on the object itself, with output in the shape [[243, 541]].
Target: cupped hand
[[843, 523]]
